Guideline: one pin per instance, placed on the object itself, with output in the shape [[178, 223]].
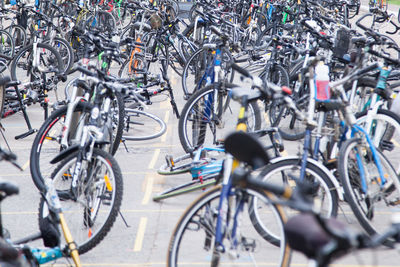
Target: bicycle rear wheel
[[210, 114], [140, 125], [198, 224]]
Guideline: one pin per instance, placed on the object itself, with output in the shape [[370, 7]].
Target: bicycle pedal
[[386, 145], [170, 161]]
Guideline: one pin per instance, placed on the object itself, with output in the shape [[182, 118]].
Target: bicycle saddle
[[247, 149], [8, 188], [306, 235]]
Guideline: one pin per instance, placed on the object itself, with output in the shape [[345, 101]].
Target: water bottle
[[322, 82]]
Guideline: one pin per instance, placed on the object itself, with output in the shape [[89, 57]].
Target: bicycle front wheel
[[99, 196], [210, 114], [192, 240], [372, 200], [47, 143]]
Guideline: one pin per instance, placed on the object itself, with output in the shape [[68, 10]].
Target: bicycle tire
[[133, 68], [194, 70], [158, 126], [53, 63], [19, 36], [102, 21], [194, 111], [200, 215], [385, 133], [278, 172], [289, 126], [43, 149], [84, 231], [373, 216], [65, 50], [7, 46], [2, 98]]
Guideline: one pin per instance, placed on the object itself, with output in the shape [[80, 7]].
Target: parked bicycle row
[[318, 79]]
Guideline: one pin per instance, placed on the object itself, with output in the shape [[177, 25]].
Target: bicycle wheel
[[192, 72], [140, 125], [64, 48], [2, 98], [7, 45], [385, 133], [19, 36], [133, 67], [47, 59], [210, 114], [193, 75], [199, 222], [46, 144], [289, 125], [373, 204], [100, 187], [280, 172], [102, 21]]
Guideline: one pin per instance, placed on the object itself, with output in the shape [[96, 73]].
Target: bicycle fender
[[63, 154], [318, 164]]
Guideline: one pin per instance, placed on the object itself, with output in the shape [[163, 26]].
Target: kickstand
[[126, 223], [2, 133], [126, 148], [23, 109], [344, 215]]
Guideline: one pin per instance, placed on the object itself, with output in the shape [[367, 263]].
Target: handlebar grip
[[241, 70], [85, 71]]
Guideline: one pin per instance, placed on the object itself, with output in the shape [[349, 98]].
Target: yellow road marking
[[266, 117], [164, 137], [140, 234], [26, 165], [395, 143], [166, 117], [284, 153], [149, 180], [164, 105], [154, 159]]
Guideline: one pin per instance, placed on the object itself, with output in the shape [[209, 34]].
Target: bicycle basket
[[342, 43]]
